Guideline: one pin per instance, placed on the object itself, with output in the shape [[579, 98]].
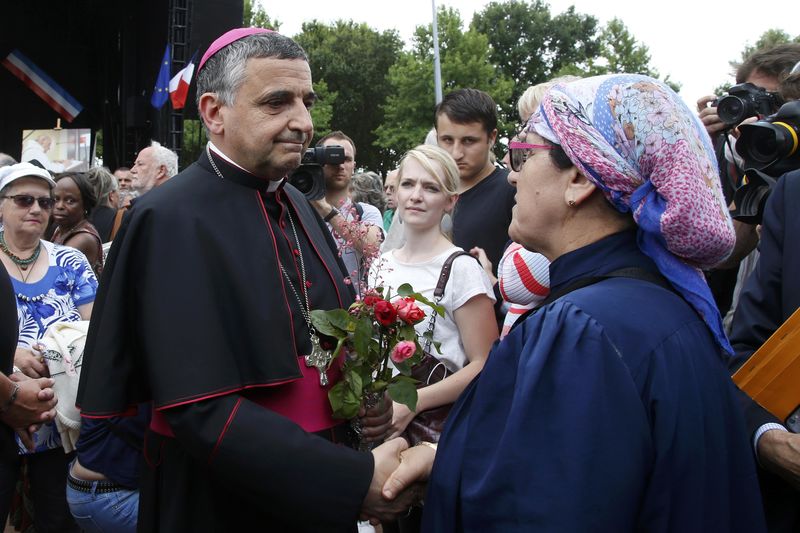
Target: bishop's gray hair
[[224, 72]]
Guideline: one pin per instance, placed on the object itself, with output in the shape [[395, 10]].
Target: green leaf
[[405, 290], [404, 367], [321, 321], [336, 397], [362, 336], [403, 390], [407, 333], [341, 319], [345, 396]]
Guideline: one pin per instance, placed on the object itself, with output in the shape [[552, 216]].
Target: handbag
[[428, 425]]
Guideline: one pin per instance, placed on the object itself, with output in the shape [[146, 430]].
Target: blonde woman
[[427, 184]]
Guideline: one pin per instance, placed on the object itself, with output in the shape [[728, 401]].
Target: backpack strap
[[117, 222], [627, 272]]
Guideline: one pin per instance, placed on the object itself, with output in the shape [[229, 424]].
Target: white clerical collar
[[273, 185]]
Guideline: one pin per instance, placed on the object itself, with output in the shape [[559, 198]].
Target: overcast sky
[[692, 41]]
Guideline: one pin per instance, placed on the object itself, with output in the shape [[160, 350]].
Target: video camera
[[308, 177], [746, 100], [770, 148]]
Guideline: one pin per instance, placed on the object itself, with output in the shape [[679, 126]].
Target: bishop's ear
[[210, 110]]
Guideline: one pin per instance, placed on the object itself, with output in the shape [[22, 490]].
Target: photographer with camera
[[356, 227], [754, 96], [771, 196]]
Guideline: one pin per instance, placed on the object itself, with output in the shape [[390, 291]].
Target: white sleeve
[[467, 280], [371, 215]]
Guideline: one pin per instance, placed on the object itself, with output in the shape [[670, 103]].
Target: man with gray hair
[[154, 165], [205, 315]]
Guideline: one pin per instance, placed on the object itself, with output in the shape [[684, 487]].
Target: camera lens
[[764, 147], [763, 142], [732, 109], [303, 181]]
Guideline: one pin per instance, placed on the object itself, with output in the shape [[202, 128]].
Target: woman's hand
[[401, 418], [31, 362], [480, 254], [415, 466], [35, 403]]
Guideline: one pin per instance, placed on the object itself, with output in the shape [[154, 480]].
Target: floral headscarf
[[637, 141]]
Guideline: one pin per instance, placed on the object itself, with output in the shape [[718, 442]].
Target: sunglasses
[[519, 152], [26, 201]]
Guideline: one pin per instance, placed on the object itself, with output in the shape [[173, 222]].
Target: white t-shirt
[[467, 279]]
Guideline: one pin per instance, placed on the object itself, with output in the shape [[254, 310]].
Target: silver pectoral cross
[[319, 359]]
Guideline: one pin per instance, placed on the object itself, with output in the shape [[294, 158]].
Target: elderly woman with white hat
[[52, 284]]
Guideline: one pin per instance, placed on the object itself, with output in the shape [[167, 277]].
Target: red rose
[[408, 311], [385, 312], [403, 350], [372, 298]]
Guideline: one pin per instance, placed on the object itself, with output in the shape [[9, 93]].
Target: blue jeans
[[105, 512]]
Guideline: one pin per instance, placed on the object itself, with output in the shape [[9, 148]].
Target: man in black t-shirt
[[466, 126]]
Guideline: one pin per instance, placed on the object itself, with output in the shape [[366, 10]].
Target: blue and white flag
[[52, 93]]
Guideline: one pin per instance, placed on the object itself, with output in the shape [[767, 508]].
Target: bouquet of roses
[[373, 331]]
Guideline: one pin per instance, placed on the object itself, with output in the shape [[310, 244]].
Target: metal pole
[[437, 68]]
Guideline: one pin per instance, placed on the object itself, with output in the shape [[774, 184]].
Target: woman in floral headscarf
[[609, 408]]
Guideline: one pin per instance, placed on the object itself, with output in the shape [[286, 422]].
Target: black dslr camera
[[770, 148], [309, 178], [746, 100]]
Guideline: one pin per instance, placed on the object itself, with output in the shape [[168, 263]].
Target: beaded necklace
[[22, 264]]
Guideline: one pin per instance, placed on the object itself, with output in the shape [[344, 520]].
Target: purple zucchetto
[[227, 38]]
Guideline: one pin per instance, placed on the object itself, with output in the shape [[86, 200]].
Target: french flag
[[179, 84], [52, 93]]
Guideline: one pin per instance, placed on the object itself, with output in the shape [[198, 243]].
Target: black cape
[[192, 313]]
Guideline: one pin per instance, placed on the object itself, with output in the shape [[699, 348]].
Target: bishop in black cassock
[[195, 315]]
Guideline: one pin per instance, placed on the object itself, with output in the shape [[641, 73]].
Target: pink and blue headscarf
[[635, 139]]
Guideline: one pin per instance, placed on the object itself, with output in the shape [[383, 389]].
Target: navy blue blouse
[[608, 410]]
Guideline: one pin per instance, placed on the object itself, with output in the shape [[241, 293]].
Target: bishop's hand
[[376, 507]]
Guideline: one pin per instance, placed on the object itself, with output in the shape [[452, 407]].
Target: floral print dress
[[69, 283]]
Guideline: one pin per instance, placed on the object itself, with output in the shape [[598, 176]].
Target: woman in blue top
[[52, 284], [609, 408]]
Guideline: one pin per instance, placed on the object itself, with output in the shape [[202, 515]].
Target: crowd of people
[[583, 280]]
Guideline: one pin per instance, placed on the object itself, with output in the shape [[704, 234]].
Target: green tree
[[194, 141], [620, 52], [529, 46], [253, 14], [353, 60], [322, 112], [465, 62], [768, 39]]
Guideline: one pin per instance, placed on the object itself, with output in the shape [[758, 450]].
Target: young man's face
[[337, 177], [468, 144]]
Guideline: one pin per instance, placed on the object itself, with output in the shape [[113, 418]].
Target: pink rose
[[385, 313], [408, 311], [403, 351]]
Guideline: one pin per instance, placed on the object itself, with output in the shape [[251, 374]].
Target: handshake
[[27, 399], [398, 480]]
